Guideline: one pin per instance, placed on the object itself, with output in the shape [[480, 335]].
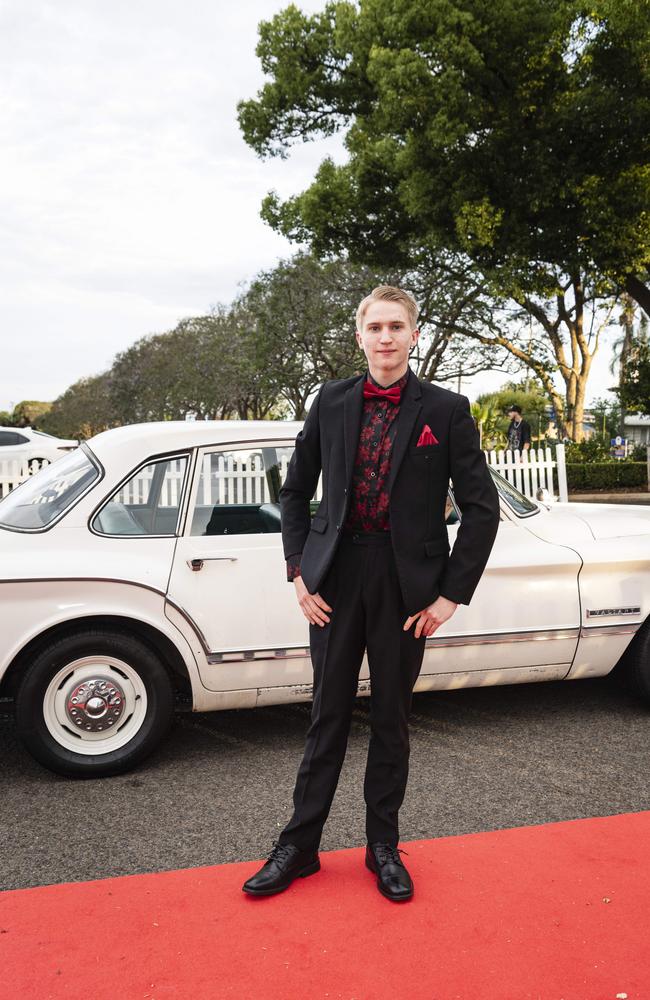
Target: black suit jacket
[[417, 485]]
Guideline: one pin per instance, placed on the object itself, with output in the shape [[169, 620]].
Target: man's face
[[386, 339], [514, 415]]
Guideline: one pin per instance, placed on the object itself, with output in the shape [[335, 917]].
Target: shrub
[[606, 475]]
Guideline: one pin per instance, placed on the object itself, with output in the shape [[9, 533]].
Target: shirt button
[[372, 474]]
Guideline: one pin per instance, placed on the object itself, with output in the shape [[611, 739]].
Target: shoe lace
[[386, 852], [278, 852]]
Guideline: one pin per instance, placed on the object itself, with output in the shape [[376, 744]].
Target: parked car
[[26, 445], [148, 563]]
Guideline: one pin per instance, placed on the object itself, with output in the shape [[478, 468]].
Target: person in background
[[518, 430]]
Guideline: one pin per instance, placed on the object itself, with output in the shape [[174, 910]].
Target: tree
[[513, 137], [211, 366], [29, 412], [634, 390], [303, 311], [623, 349], [84, 409]]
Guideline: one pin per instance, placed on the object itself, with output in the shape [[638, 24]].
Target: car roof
[[158, 436]]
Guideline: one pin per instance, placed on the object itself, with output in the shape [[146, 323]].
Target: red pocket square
[[427, 437]]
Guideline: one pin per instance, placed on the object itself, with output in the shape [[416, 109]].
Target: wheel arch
[[161, 644]]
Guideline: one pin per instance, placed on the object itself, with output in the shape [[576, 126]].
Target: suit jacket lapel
[[352, 410], [409, 408]]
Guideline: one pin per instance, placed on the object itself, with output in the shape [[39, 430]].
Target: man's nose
[[385, 335]]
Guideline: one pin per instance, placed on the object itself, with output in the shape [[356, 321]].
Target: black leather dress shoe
[[393, 880], [285, 862]]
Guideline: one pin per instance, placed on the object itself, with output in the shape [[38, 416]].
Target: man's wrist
[[293, 567]]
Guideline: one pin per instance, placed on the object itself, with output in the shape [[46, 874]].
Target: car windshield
[[515, 500], [41, 499]]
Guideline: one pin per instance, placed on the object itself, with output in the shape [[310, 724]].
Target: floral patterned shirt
[[369, 494]]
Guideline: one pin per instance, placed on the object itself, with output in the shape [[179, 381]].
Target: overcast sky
[[128, 198]]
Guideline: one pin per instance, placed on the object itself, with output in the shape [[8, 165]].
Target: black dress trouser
[[368, 613]]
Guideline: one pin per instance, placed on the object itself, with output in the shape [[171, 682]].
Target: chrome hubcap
[[95, 705]]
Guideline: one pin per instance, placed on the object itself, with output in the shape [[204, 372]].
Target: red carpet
[[553, 912]]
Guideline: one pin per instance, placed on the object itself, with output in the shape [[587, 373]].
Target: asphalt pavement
[[219, 789]]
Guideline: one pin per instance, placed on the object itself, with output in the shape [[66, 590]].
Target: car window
[[40, 500], [521, 505], [7, 438], [238, 490], [148, 503]]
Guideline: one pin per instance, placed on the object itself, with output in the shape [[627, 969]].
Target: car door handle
[[197, 564]]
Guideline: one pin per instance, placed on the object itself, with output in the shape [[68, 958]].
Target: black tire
[[633, 669], [147, 725]]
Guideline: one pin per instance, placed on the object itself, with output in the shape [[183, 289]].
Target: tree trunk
[[638, 291]]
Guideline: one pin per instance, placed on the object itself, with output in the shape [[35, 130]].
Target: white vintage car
[[147, 565]]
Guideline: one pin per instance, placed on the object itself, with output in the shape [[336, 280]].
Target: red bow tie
[[371, 391]]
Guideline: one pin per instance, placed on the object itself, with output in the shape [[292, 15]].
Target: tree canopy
[[508, 141], [516, 132]]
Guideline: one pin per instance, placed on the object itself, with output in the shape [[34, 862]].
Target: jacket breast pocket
[[436, 547], [424, 450], [319, 523]]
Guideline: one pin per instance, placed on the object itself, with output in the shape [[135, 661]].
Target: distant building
[[637, 428]]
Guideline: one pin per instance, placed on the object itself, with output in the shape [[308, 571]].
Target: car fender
[[32, 607]]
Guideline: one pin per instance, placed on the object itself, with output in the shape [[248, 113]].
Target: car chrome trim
[[627, 628], [91, 486], [469, 639], [190, 621]]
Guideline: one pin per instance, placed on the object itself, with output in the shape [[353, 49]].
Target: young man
[[372, 571], [518, 431]]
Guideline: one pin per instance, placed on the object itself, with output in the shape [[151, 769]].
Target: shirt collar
[[401, 382]]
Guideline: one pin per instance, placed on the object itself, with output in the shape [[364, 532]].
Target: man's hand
[[313, 606], [428, 620]]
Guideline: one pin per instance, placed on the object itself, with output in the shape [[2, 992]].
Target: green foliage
[[84, 409], [634, 388], [606, 475], [516, 132], [593, 449], [29, 413]]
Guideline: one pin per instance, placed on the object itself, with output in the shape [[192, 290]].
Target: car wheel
[[93, 704]]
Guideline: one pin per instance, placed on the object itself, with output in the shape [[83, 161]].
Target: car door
[[229, 574], [523, 620]]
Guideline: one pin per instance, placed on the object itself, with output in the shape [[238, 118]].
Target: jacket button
[[338, 526]]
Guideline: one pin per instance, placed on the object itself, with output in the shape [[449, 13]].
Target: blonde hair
[[389, 293]]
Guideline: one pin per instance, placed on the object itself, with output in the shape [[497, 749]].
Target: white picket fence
[[13, 471], [240, 482], [533, 470]]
